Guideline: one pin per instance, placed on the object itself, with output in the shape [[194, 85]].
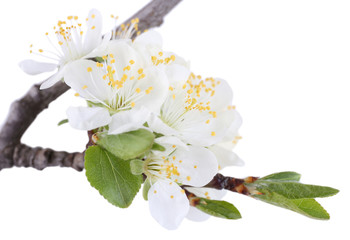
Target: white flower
[[123, 81], [71, 44], [196, 110], [223, 149], [179, 164]]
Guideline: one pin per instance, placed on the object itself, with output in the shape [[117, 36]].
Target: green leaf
[[136, 166], [146, 187], [128, 145], [216, 208], [307, 207], [62, 122], [283, 176], [111, 176], [294, 190], [158, 147]]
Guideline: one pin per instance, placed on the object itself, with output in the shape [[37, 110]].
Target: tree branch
[[25, 110]]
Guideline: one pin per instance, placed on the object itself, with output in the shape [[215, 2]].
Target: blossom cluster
[[131, 84]]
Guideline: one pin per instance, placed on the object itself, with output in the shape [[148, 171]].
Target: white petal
[[177, 73], [53, 79], [87, 118], [34, 67], [226, 157], [203, 134], [89, 85], [93, 35], [150, 38], [198, 165], [232, 132], [158, 126], [129, 120], [155, 79], [168, 204], [222, 97], [102, 49], [167, 141]]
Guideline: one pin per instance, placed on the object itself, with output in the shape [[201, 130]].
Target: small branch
[[25, 110], [232, 184]]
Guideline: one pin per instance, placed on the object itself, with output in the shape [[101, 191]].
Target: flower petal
[[93, 35], [102, 48], [86, 78], [168, 204], [158, 126], [197, 166], [87, 118], [156, 80], [34, 67], [167, 141], [129, 120], [177, 73], [223, 96], [53, 79], [150, 38], [225, 157]]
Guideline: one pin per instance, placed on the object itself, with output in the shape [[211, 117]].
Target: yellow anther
[[93, 27], [206, 194], [160, 54], [174, 157], [155, 192], [126, 68], [132, 104], [124, 77], [182, 191], [174, 96], [195, 166], [213, 134], [81, 32], [77, 94], [93, 16], [207, 122], [46, 33], [89, 69], [111, 55], [132, 77], [104, 57], [188, 178], [131, 62], [174, 146], [180, 161], [112, 60], [60, 43], [171, 196], [184, 86], [75, 17], [40, 50], [138, 90], [84, 87], [172, 57], [171, 88], [141, 76], [70, 17], [148, 91], [140, 71], [190, 91]]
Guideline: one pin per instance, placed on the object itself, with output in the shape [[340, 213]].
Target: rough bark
[[24, 111]]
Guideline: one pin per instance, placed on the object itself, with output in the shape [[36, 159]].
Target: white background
[[288, 64]]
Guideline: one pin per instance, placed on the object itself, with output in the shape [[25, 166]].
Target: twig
[[25, 110]]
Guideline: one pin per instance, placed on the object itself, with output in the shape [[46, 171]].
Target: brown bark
[[24, 111]]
